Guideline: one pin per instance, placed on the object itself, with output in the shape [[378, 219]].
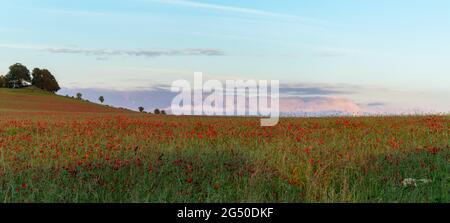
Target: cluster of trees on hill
[[156, 112], [19, 77]]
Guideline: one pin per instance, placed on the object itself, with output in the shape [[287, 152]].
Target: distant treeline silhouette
[[156, 111]]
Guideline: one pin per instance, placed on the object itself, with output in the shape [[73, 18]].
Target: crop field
[[59, 149]]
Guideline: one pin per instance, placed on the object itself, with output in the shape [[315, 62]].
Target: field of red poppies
[[58, 149]]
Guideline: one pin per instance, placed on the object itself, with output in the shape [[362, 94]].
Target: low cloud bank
[[162, 98]]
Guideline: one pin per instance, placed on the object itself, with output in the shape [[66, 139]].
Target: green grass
[[60, 154]]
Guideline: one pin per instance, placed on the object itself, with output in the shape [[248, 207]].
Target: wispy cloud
[[146, 53], [193, 4], [181, 3], [121, 52], [339, 52], [305, 89], [319, 89], [231, 9], [376, 104], [21, 46]]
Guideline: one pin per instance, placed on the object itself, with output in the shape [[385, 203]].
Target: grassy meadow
[[59, 149]]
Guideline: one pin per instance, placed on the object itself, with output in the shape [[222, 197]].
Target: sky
[[371, 56]]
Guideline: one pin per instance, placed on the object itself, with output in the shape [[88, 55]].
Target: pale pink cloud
[[318, 104]]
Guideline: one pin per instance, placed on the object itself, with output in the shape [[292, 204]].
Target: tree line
[[157, 111], [19, 76]]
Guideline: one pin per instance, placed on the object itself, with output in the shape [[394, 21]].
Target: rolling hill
[[32, 99]]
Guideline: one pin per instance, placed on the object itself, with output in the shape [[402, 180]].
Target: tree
[[163, 112], [141, 109], [79, 96], [157, 112], [17, 75], [44, 80], [3, 82], [38, 80], [101, 99]]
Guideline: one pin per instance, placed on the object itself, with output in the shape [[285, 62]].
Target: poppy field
[[75, 151]]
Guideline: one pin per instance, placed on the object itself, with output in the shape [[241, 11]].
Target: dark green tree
[[141, 109], [38, 80], [79, 96], [157, 112], [2, 81], [44, 80], [101, 99], [163, 112], [17, 75]]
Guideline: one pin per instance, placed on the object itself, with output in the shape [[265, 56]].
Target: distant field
[[58, 149]]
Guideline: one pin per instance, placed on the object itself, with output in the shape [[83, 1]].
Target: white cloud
[[120, 52], [232, 9]]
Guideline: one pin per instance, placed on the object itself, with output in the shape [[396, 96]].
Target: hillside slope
[[35, 100]]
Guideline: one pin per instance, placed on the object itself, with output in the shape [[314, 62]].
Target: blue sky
[[392, 54]]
